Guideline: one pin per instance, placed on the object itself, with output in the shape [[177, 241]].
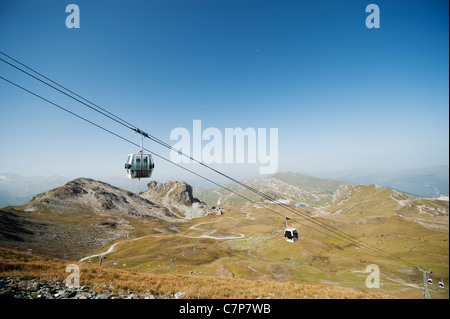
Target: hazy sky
[[342, 96]]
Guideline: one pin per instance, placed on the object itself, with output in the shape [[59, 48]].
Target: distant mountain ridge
[[373, 203], [426, 182], [18, 190], [290, 188], [296, 188], [310, 183]]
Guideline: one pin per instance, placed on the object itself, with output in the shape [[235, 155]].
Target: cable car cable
[[61, 91], [63, 87]]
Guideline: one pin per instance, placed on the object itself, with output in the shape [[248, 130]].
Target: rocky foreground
[[18, 288]]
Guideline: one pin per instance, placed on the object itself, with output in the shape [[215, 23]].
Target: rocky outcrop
[[178, 192], [178, 198]]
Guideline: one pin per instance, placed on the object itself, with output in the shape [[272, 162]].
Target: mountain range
[[425, 182], [290, 188]]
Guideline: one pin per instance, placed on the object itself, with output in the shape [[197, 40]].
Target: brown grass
[[100, 279]]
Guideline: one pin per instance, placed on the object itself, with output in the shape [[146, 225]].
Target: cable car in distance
[[441, 284], [290, 233], [430, 281]]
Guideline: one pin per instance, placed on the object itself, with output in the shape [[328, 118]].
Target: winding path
[[113, 246], [111, 249]]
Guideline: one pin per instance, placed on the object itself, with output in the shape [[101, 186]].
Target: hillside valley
[[169, 229]]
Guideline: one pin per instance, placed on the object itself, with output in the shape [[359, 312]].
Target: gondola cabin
[[139, 166], [291, 234]]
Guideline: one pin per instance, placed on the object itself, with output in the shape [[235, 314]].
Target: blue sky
[[342, 96]]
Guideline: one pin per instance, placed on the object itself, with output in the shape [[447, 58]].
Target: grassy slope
[[13, 263], [315, 259]]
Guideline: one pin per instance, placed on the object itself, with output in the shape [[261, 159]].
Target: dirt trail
[[206, 235]]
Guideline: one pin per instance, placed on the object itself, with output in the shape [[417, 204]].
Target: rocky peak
[[94, 197], [178, 198], [179, 192]]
